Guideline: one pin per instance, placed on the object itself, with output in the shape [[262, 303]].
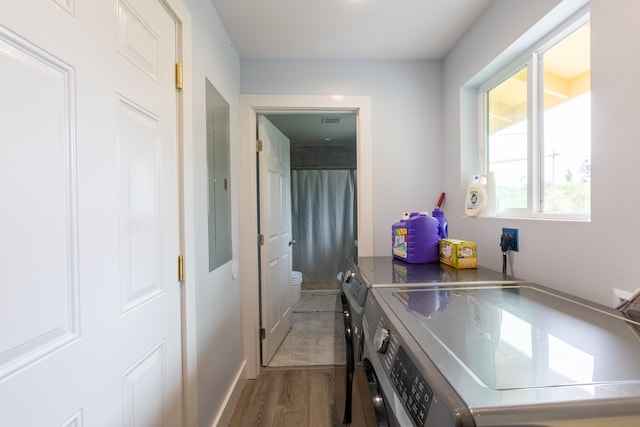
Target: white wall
[[406, 100], [583, 258], [218, 328]]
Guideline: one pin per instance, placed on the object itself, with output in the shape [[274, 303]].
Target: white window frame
[[531, 59]]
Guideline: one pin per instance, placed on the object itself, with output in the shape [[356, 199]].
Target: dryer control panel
[[412, 388]]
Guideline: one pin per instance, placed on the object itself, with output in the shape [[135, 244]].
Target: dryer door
[[343, 348], [370, 401]]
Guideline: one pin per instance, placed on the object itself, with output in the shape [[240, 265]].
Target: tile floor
[[311, 340]]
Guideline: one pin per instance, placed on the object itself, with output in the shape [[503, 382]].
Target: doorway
[[250, 105], [323, 160], [323, 194]]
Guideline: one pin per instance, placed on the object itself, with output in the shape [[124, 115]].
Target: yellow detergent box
[[458, 253]]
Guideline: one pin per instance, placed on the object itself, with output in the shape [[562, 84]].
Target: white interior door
[[90, 301], [275, 226]]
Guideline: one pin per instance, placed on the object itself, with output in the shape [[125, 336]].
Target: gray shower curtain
[[323, 216]]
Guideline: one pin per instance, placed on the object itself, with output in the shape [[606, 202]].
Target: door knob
[[292, 242]]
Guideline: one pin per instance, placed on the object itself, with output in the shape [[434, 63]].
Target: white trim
[[231, 398], [531, 59], [184, 44], [249, 106]]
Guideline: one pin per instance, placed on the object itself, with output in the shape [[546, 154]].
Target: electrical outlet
[[515, 244]]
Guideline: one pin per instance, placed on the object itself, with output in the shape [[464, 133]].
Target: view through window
[[538, 130]]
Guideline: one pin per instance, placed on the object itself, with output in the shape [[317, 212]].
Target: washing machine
[[359, 275], [516, 354]]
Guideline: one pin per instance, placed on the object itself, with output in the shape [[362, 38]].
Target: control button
[[381, 340]]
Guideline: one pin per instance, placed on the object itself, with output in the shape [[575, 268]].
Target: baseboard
[[231, 399]]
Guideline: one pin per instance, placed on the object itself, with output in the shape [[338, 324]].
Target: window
[[536, 122]]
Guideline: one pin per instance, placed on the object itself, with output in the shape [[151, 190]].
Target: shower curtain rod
[[297, 168]]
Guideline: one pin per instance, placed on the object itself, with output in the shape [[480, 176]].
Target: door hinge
[[258, 145], [260, 239], [263, 333], [179, 75], [181, 276]]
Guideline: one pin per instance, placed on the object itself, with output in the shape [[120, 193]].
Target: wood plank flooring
[[298, 392], [287, 397]]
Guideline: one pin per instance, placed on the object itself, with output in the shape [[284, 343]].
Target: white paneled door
[[275, 226], [89, 229]]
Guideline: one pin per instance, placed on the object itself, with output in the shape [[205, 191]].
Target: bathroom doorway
[[323, 215], [323, 193], [248, 262]]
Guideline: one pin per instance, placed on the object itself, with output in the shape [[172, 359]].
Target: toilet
[[296, 283]]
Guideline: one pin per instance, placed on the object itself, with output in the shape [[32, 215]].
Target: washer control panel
[[412, 388], [355, 289]]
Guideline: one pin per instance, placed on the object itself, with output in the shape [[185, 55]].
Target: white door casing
[[275, 226], [250, 104], [89, 161]]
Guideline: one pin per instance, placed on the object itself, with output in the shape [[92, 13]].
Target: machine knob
[[381, 340], [348, 277]]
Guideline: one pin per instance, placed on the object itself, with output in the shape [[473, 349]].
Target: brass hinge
[[258, 145], [260, 239], [181, 277], [179, 75], [263, 333]]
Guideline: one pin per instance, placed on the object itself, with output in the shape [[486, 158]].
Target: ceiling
[[347, 29], [343, 29], [316, 129]]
